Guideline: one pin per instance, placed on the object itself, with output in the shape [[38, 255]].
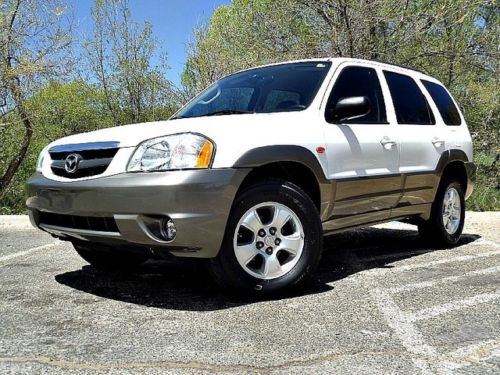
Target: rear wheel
[[108, 258], [273, 239], [445, 226]]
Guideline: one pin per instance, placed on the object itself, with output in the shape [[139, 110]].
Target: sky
[[173, 22]]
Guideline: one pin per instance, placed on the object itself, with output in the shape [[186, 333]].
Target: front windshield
[[278, 88]]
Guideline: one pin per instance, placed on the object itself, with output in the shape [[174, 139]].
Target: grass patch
[[486, 195]]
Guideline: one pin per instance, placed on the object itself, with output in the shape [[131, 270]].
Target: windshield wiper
[[226, 112]]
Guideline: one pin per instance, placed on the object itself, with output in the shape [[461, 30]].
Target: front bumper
[[198, 201]]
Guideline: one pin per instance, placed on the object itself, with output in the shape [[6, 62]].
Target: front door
[[362, 153]]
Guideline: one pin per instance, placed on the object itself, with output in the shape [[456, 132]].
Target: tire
[[107, 258], [445, 225], [277, 206]]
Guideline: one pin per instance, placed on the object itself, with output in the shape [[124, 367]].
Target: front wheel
[[273, 239], [444, 227]]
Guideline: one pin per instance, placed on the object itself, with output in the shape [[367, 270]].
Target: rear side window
[[409, 103], [360, 81], [444, 103]]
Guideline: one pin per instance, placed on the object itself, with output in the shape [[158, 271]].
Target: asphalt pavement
[[382, 303]]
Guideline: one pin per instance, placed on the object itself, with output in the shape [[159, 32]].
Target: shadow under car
[[183, 284]]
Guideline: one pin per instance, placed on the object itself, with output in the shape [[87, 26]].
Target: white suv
[[253, 171]]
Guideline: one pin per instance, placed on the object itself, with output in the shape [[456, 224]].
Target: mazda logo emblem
[[71, 162]]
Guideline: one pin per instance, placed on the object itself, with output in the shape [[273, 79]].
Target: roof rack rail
[[399, 66]]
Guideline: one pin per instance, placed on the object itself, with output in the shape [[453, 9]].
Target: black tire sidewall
[[434, 230], [228, 271]]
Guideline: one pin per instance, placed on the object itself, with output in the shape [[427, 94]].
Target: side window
[[409, 103], [360, 81], [281, 100], [444, 103]]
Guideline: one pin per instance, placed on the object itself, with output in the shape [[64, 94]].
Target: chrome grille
[[89, 159]]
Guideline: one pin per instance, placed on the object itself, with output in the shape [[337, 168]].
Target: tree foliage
[[119, 55], [245, 34], [33, 44], [57, 110], [40, 99], [48, 90], [455, 41]]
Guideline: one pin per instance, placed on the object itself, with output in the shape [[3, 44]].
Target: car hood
[[213, 127]]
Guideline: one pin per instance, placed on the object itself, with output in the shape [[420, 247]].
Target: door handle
[[387, 143], [437, 142]]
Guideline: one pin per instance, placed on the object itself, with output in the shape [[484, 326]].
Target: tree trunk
[[15, 163], [14, 86]]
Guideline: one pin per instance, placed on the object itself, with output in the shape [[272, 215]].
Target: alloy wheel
[[268, 240], [452, 210]]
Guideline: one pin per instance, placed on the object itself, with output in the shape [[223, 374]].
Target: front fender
[[261, 156]]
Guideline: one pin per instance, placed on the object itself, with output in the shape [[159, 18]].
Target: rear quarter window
[[444, 103]]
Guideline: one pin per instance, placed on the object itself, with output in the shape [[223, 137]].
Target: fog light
[[167, 229]]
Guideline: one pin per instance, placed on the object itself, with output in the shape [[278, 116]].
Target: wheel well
[[293, 172], [457, 170]]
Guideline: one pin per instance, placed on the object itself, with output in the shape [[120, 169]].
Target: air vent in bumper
[[99, 224]]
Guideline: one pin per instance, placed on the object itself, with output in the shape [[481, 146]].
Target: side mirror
[[348, 109]]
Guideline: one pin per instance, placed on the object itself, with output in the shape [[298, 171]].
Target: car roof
[[341, 60]]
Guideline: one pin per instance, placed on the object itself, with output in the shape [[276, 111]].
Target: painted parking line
[[444, 280], [26, 252], [478, 351], [404, 254], [404, 329], [427, 358], [410, 267], [432, 362], [434, 311], [484, 241]]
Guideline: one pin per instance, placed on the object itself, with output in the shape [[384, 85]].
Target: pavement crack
[[195, 365]]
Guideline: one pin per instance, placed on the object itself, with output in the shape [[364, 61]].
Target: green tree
[[119, 56], [59, 109], [244, 34], [34, 46], [455, 41]]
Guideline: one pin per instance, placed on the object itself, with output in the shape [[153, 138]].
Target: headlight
[[41, 158], [179, 151]]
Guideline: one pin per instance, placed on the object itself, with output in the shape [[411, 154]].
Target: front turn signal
[[205, 155]]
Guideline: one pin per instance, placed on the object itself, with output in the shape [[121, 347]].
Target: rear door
[[363, 153], [422, 139]]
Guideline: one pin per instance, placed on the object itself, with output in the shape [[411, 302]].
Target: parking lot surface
[[381, 303]]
